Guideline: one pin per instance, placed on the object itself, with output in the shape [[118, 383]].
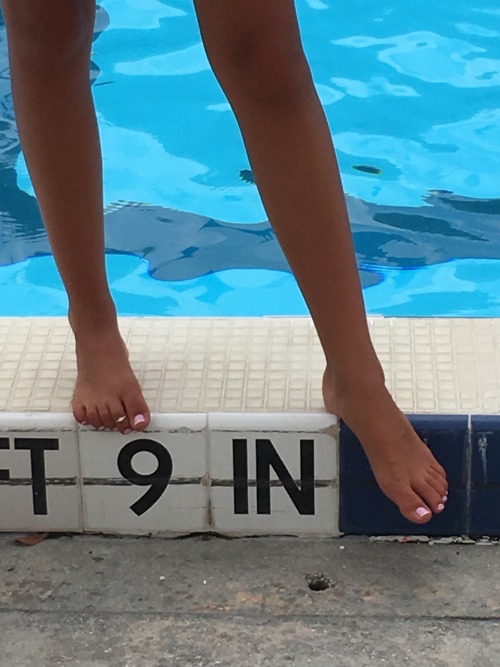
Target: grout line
[[81, 505], [468, 490], [208, 478], [337, 462]]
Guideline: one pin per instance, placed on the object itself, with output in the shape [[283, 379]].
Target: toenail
[[138, 419], [445, 498], [129, 430], [101, 428], [422, 511], [440, 507]]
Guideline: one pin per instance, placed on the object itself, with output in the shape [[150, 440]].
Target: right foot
[[106, 387], [403, 465]]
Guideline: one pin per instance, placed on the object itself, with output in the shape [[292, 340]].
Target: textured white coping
[[246, 365], [240, 442]]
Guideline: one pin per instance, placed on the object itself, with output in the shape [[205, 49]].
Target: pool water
[[411, 97]]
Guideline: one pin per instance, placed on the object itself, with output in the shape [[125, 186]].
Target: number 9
[[158, 480]]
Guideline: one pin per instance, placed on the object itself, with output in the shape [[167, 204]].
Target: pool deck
[[99, 602], [239, 433]]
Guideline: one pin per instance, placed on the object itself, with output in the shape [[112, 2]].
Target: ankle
[[99, 319], [344, 380]]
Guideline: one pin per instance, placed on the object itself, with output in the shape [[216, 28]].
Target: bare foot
[[403, 465], [106, 387]]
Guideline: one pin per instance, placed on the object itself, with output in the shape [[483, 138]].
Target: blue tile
[[485, 511], [485, 475], [485, 450], [445, 435], [353, 463], [365, 510]]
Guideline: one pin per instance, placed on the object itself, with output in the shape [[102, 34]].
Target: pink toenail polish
[[85, 423], [421, 511], [445, 498], [129, 430], [440, 507], [101, 428], [138, 419]]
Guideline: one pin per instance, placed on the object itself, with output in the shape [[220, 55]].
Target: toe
[[411, 506], [437, 483], [80, 414], [427, 492], [137, 412], [106, 417], [94, 419], [439, 470], [117, 411]]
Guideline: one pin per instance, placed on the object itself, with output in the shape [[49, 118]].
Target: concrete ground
[[96, 601]]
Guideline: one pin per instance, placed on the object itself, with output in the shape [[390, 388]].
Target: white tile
[[285, 432], [180, 510], [37, 421], [39, 473], [284, 518], [267, 421], [296, 510], [175, 447]]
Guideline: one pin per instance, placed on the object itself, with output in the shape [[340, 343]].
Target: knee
[[51, 32], [270, 68]]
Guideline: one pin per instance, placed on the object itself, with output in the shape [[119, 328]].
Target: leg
[[257, 56], [49, 52]]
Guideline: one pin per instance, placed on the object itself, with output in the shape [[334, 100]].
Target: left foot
[[403, 465]]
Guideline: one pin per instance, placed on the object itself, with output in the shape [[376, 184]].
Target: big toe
[[137, 410], [411, 506]]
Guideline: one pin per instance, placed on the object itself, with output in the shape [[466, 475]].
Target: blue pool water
[[411, 96]]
